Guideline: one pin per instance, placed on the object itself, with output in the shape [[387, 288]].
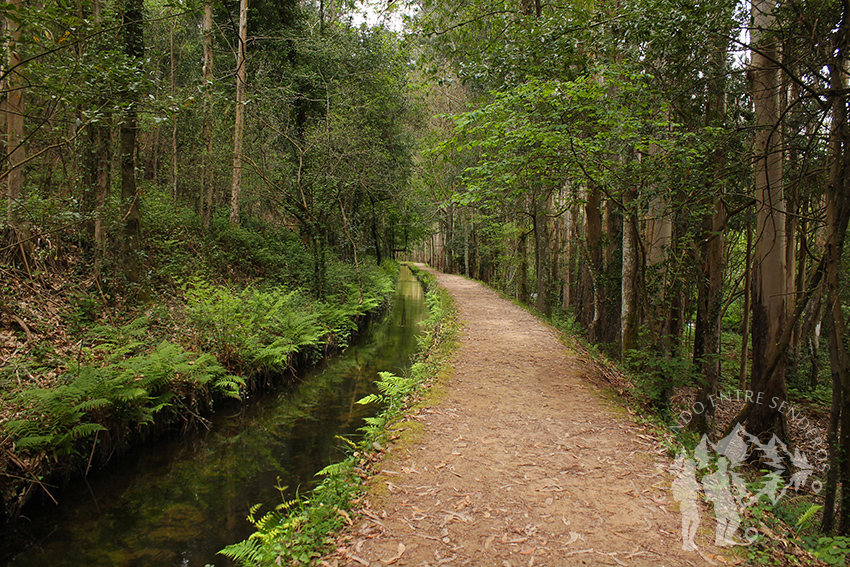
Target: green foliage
[[297, 532], [126, 390], [832, 550], [657, 375], [393, 391], [258, 330], [805, 519]]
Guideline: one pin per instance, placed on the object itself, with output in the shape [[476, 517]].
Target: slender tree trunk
[[540, 219], [523, 292], [611, 294], [206, 129], [745, 319], [659, 233], [241, 77], [769, 270], [173, 62], [710, 253], [15, 135], [710, 303], [465, 244], [629, 310], [131, 213], [101, 166], [593, 239]]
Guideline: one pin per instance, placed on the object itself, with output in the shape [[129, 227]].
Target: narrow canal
[[178, 503]]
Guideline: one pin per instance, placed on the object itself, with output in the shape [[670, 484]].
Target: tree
[[15, 111], [134, 49], [769, 299], [206, 131], [239, 126]]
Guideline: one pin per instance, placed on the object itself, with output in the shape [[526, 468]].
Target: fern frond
[[86, 429], [370, 399]]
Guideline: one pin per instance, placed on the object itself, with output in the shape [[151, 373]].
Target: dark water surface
[[178, 503]]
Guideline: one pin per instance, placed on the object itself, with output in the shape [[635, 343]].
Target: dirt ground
[[522, 463]]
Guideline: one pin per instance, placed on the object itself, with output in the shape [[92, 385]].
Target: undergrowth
[[102, 373], [297, 532]]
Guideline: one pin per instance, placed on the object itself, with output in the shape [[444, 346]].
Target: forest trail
[[522, 463]]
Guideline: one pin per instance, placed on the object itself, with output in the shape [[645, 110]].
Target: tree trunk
[[710, 302], [241, 77], [465, 244], [769, 269], [837, 216], [15, 150], [206, 129], [523, 293], [593, 272], [745, 322], [710, 253], [173, 62], [629, 310], [611, 295], [659, 232], [543, 265], [131, 214], [102, 164]]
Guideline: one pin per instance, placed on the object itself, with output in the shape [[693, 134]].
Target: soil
[[523, 462]]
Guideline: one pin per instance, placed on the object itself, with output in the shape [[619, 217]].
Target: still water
[[178, 503]]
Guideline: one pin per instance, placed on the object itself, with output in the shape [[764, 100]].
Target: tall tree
[[769, 299], [837, 218], [206, 128], [15, 87], [132, 26], [239, 126]]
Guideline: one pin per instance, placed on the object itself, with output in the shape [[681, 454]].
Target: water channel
[[178, 503]]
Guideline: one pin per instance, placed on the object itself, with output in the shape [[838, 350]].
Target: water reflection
[[178, 503]]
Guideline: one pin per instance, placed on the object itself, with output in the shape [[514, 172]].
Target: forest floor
[[522, 462]]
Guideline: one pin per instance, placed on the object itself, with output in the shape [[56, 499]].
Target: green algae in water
[[178, 503]]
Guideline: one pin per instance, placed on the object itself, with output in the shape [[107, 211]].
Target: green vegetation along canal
[[178, 503]]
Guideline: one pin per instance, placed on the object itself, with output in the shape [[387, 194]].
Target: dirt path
[[522, 463]]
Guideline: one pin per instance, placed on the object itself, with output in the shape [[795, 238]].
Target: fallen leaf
[[397, 556]]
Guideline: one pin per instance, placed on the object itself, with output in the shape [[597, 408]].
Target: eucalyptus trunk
[[239, 126], [770, 309], [629, 309], [15, 87], [593, 267], [130, 207], [710, 256], [206, 129], [543, 265]]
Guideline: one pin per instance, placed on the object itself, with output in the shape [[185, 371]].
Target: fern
[[334, 469], [131, 390], [245, 552], [804, 519], [85, 429]]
